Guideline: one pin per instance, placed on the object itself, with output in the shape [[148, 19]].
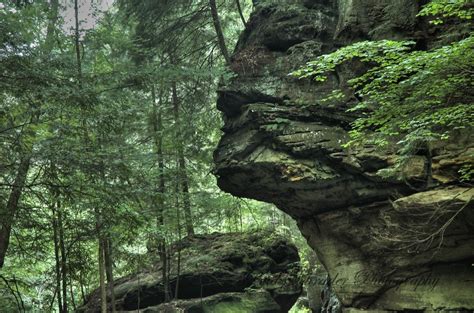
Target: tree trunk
[[109, 271], [103, 290], [77, 37], [102, 259], [15, 293], [56, 257], [239, 8], [178, 220], [158, 135], [219, 33], [81, 283], [186, 199], [63, 255], [71, 292], [182, 177], [158, 138], [12, 206]]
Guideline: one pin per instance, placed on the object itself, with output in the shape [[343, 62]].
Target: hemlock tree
[[118, 130]]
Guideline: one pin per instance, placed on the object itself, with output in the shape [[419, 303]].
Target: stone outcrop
[[256, 272], [255, 301], [387, 242]]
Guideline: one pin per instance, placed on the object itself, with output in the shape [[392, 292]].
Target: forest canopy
[[108, 124], [107, 128]]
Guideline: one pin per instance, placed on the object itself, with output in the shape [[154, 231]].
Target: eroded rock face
[[378, 235], [256, 272]]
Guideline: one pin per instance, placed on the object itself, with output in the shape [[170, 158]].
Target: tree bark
[[158, 135], [77, 37], [183, 176], [12, 206], [178, 228], [109, 271], [58, 237], [239, 8], [103, 290], [62, 247], [158, 138], [81, 283], [219, 33], [19, 301], [71, 292], [56, 257]]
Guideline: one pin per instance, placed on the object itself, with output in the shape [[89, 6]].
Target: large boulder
[[255, 272], [387, 242], [255, 301]]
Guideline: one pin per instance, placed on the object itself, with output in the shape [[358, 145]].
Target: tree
[[241, 14], [397, 98], [218, 28], [25, 146], [117, 123]]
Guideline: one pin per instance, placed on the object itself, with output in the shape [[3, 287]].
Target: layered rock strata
[[388, 242]]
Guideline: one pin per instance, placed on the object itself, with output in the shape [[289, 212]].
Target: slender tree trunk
[[50, 309], [58, 237], [16, 293], [239, 8], [81, 283], [168, 274], [103, 290], [103, 251], [178, 274], [64, 271], [158, 134], [178, 220], [182, 177], [12, 206], [186, 199], [109, 271], [19, 294], [57, 259], [77, 38], [71, 292], [12, 292], [219, 33], [164, 270]]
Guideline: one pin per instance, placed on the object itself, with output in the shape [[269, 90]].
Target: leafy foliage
[[405, 94], [90, 141], [443, 9]]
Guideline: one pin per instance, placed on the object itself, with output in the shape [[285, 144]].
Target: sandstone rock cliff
[[388, 243]]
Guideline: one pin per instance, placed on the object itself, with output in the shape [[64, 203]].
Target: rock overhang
[[281, 145]]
